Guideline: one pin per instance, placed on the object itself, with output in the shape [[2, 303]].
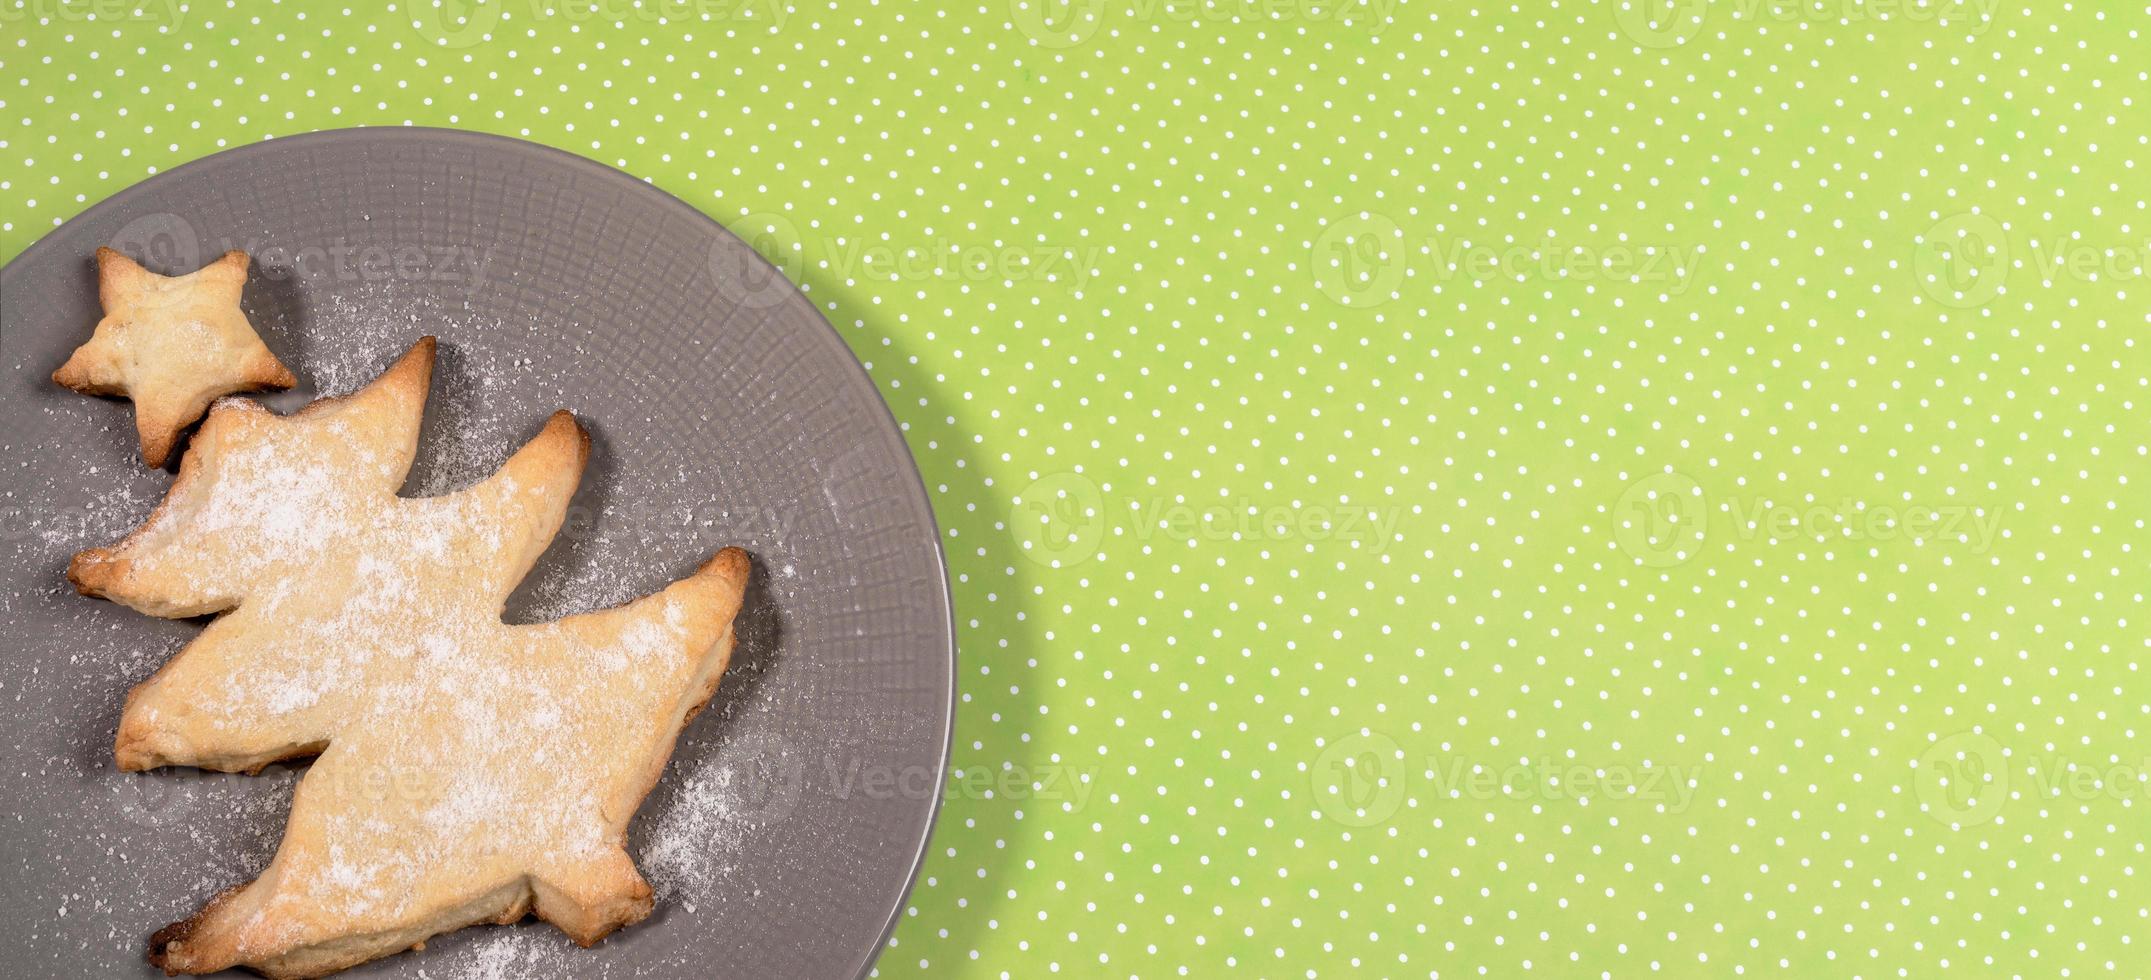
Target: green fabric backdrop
[[1433, 488]]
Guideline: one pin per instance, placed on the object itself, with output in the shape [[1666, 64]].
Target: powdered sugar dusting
[[371, 326], [687, 855], [513, 953], [433, 780]]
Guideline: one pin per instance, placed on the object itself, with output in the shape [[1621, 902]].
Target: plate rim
[[892, 428]]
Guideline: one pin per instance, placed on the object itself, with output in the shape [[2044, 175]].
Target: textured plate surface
[[725, 411]]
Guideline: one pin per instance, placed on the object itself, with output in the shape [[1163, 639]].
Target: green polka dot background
[[1430, 489]]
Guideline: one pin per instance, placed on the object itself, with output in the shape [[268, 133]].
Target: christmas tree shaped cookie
[[172, 344], [469, 770]]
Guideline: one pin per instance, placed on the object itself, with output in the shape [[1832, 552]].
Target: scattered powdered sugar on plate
[[686, 855], [510, 953], [359, 331], [364, 330]]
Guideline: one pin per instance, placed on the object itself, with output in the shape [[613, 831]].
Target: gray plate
[[790, 825]]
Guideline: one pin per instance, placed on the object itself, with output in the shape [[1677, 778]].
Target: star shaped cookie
[[172, 344]]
